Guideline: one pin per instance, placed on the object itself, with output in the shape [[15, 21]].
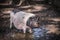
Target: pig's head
[[33, 21], [19, 19]]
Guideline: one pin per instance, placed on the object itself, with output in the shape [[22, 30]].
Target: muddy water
[[16, 36]]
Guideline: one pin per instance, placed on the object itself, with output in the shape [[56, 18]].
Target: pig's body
[[19, 19]]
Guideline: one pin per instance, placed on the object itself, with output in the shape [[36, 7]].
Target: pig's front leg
[[30, 30], [24, 29]]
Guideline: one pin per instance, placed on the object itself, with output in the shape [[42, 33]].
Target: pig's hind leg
[[11, 22]]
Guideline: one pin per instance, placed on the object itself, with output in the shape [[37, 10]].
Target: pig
[[19, 20]]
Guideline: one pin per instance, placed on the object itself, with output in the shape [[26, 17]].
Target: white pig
[[19, 19]]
